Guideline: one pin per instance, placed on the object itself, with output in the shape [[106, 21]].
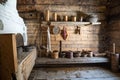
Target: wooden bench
[[63, 61]]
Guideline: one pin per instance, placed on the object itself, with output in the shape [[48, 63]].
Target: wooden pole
[[113, 48]]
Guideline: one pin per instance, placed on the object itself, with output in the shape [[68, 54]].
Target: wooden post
[[113, 48], [60, 48]]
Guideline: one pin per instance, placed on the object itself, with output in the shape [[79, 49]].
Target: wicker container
[[55, 54]]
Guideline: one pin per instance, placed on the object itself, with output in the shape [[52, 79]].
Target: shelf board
[[70, 23]]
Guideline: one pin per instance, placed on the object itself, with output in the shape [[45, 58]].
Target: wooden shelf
[[70, 23]]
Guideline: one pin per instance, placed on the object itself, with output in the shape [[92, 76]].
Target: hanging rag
[[48, 40]]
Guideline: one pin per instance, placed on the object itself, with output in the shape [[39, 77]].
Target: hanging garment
[[64, 33]]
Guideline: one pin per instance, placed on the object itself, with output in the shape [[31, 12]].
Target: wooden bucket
[[55, 54]]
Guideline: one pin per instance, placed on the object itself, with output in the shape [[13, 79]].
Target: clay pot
[[93, 18], [63, 55], [90, 54], [28, 48], [84, 53]]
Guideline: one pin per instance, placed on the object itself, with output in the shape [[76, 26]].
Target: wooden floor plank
[[74, 73]]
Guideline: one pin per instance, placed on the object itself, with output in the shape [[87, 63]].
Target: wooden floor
[[74, 73]]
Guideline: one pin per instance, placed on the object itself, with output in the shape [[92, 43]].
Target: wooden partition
[[8, 56], [114, 24]]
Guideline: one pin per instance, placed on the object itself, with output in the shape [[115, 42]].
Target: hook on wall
[[77, 30]]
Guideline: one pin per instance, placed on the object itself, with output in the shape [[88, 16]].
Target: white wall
[[12, 22]]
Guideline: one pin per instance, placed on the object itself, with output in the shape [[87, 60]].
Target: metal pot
[[69, 54], [76, 54]]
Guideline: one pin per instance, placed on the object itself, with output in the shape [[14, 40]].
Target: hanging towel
[[48, 40]]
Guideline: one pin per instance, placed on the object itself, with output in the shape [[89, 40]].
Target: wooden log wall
[[114, 24], [91, 37]]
